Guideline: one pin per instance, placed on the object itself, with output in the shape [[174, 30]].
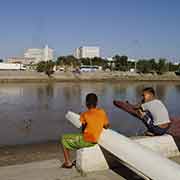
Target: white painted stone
[[138, 157], [73, 118], [91, 159], [164, 145]]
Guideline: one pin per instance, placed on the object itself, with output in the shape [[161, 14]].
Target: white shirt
[[158, 111]]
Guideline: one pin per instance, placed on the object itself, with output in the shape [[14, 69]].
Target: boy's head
[[91, 100], [148, 94]]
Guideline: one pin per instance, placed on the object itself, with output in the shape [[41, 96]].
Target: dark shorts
[[149, 123], [157, 130]]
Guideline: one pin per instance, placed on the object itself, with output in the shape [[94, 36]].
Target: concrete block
[[164, 145], [91, 159], [139, 157]]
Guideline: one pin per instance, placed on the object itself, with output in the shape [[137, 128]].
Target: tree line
[[118, 63]]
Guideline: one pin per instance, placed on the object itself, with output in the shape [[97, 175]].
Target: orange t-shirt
[[94, 119]]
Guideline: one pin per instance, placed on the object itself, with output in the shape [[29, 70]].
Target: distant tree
[[41, 66], [68, 61], [1, 60], [124, 63], [173, 67], [98, 61], [162, 66], [49, 65], [116, 57], [121, 62], [144, 66], [61, 60], [85, 61], [124, 60], [131, 64], [46, 67], [73, 61], [152, 65]]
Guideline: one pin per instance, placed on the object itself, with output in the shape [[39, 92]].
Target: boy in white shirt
[[154, 113]]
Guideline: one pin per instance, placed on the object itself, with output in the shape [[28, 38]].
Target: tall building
[[87, 52], [44, 54], [77, 53]]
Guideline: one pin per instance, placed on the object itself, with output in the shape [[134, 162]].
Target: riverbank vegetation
[[117, 63]]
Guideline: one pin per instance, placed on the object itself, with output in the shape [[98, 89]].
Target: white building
[[77, 53], [44, 54], [21, 60], [87, 52]]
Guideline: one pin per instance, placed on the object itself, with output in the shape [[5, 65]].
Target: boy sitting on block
[[93, 121], [153, 113]]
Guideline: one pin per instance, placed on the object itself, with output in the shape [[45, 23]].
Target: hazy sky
[[138, 28]]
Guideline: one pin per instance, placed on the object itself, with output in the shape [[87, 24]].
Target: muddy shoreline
[[25, 77]]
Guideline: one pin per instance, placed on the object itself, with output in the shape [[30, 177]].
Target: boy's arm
[[106, 121], [107, 126], [83, 121], [83, 127]]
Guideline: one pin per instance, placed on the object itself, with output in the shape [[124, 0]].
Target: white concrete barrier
[[137, 157], [148, 163], [164, 145], [90, 159]]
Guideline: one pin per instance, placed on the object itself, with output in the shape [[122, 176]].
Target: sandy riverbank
[[20, 154], [23, 76]]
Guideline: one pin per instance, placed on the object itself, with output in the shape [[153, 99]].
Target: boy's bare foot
[[67, 165]]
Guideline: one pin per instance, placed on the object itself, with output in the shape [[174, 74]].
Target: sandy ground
[[16, 159], [50, 170], [12, 155], [24, 157]]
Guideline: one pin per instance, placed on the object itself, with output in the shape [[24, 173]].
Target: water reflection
[[177, 87], [161, 91], [35, 112]]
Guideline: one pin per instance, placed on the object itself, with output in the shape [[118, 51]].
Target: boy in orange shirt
[[93, 121]]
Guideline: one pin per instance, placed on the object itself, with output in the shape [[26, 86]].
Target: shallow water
[[32, 113]]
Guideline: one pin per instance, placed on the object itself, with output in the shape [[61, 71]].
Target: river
[[33, 113]]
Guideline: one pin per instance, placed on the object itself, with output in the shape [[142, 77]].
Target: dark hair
[[91, 100], [149, 90]]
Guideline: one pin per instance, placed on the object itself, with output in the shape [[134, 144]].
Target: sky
[[136, 28]]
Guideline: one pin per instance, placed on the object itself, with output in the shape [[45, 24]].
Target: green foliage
[[151, 66], [68, 61], [75, 63], [46, 67], [121, 63], [173, 67], [97, 61], [41, 66], [86, 61], [162, 66], [146, 66]]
